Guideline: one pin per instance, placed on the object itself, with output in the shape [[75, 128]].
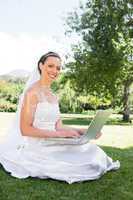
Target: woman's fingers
[[82, 131], [68, 133], [75, 133]]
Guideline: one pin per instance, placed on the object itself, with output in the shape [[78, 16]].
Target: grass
[[85, 120], [115, 185]]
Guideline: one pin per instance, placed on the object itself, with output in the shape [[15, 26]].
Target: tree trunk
[[126, 110]]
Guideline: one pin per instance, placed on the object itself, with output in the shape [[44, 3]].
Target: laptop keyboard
[[69, 141]]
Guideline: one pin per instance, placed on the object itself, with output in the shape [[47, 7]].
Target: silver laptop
[[95, 127]]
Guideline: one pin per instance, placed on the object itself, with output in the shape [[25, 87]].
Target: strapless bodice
[[46, 115]]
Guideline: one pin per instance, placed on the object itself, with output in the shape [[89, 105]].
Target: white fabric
[[26, 156], [14, 138], [38, 158]]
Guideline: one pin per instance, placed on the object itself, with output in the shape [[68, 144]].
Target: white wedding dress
[[42, 159]]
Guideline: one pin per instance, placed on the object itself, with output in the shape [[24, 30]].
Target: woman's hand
[[67, 133], [82, 131]]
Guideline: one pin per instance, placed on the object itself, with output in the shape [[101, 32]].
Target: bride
[[28, 153]]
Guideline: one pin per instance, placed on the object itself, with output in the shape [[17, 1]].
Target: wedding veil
[[14, 138]]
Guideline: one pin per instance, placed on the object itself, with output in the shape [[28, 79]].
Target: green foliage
[[94, 102], [6, 106], [73, 101], [9, 95], [103, 64], [67, 96], [100, 57]]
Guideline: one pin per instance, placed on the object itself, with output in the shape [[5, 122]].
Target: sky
[[30, 28]]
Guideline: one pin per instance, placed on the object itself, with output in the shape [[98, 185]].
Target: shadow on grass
[[86, 121], [115, 185]]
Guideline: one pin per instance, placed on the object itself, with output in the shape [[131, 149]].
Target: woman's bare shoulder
[[32, 92]]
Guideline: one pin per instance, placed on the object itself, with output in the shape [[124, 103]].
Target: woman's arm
[[61, 126], [27, 116]]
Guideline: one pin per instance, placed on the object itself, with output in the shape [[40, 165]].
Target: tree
[[103, 59]]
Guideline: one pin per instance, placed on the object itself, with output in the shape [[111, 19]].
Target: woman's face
[[51, 68]]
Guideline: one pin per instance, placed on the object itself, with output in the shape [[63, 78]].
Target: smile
[[52, 76]]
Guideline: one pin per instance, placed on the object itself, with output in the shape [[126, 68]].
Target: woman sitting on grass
[[30, 154]]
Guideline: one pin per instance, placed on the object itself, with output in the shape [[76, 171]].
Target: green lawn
[[115, 185], [80, 119]]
